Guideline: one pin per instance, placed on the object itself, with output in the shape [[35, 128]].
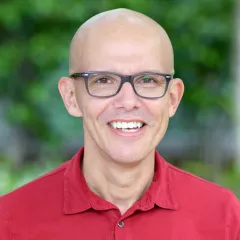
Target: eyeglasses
[[107, 84]]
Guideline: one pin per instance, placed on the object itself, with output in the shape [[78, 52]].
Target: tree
[[237, 72], [35, 37]]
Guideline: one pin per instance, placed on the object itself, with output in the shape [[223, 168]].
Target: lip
[[127, 120]]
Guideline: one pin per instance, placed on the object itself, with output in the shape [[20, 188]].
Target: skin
[[120, 169]]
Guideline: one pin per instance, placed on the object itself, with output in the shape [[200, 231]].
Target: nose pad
[[127, 81], [127, 98], [127, 87]]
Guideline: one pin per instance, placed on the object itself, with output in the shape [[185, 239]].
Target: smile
[[133, 126]]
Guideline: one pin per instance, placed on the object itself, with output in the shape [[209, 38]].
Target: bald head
[[123, 41]]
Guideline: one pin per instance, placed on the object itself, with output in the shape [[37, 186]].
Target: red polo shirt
[[177, 206]]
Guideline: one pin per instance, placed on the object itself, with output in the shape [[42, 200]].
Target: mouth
[[127, 126]]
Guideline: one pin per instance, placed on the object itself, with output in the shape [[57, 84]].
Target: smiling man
[[117, 186]]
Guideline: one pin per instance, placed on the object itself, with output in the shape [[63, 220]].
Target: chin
[[127, 156]]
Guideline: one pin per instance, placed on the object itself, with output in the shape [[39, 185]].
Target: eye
[[103, 80], [146, 80]]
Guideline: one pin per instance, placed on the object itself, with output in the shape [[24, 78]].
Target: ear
[[67, 90], [176, 90]]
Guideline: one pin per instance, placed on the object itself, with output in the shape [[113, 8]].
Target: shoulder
[[31, 203], [185, 181], [204, 197], [37, 190], [206, 202]]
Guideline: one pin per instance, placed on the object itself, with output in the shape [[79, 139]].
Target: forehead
[[126, 50]]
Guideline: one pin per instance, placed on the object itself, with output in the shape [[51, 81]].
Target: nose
[[127, 98]]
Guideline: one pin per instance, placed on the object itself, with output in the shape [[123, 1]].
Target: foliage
[[34, 42], [35, 37]]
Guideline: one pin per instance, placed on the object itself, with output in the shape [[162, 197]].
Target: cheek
[[92, 107], [159, 109]]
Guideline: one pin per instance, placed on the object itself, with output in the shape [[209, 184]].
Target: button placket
[[121, 230]]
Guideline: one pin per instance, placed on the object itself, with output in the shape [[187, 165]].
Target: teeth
[[129, 130], [114, 124], [126, 125]]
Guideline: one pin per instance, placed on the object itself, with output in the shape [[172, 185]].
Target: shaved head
[[121, 42], [119, 34]]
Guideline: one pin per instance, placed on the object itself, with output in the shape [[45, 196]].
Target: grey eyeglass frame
[[124, 79]]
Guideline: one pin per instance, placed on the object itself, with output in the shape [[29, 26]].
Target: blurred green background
[[37, 134]]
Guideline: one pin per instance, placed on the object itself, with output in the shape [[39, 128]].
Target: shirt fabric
[[177, 206]]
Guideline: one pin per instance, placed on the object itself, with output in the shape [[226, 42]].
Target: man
[[118, 187]]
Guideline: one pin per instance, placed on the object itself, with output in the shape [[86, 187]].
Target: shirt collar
[[163, 191], [79, 198]]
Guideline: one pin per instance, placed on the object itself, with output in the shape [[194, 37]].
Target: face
[[123, 55]]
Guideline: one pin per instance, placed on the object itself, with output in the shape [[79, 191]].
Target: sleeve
[[234, 218], [5, 233]]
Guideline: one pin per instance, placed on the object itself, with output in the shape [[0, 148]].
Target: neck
[[119, 183]]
